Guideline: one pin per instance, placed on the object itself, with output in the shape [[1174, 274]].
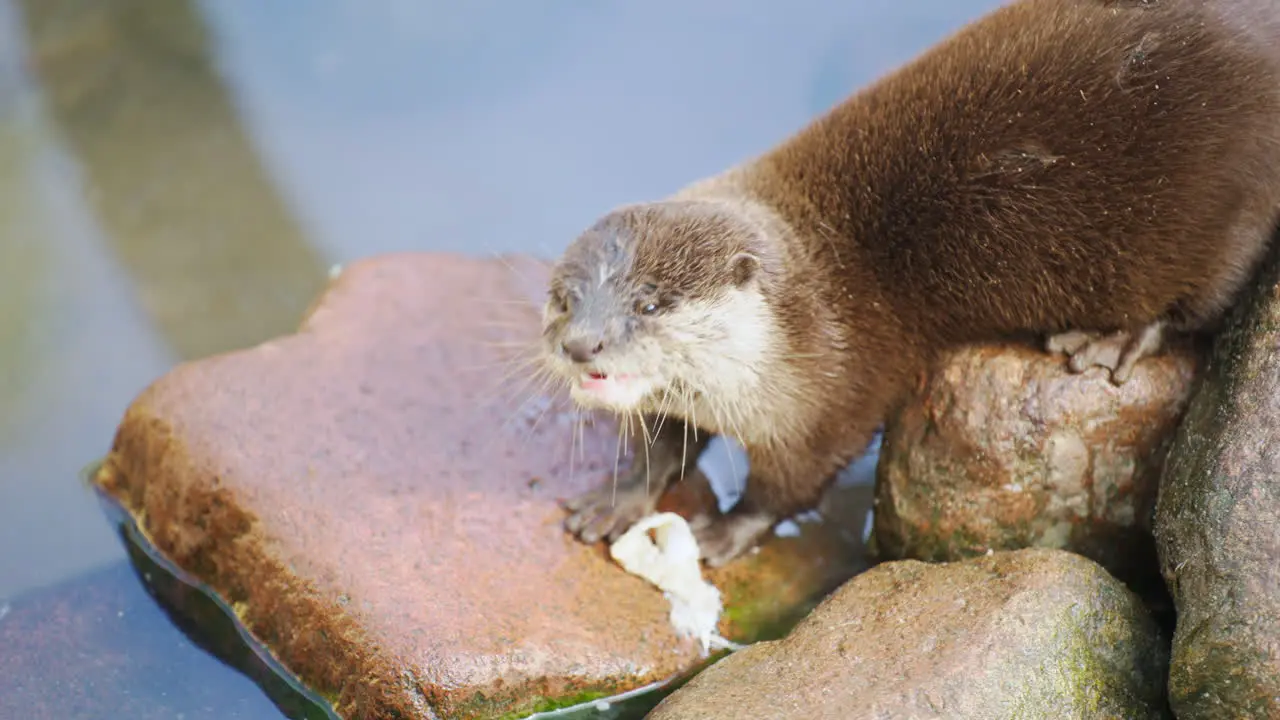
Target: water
[[176, 177]]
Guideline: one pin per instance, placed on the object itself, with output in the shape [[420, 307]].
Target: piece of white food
[[669, 560]]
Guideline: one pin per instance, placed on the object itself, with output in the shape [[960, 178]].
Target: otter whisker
[[684, 449], [574, 431], [513, 365], [617, 458], [529, 369], [626, 438], [502, 259], [539, 385], [515, 383], [528, 345], [509, 302], [644, 428], [533, 427], [662, 412], [519, 325], [506, 342], [547, 388], [648, 469], [494, 436], [517, 412], [526, 393], [693, 415], [509, 365]]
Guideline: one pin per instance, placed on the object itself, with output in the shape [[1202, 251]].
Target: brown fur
[[1095, 167]]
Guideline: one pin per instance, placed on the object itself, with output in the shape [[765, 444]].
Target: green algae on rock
[[1003, 448], [1218, 521], [1028, 634]]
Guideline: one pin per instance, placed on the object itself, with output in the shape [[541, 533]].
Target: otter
[[1095, 173]]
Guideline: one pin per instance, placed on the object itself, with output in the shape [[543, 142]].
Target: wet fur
[[1056, 166]]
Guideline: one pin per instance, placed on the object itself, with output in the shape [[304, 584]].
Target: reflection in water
[[175, 182], [24, 291], [74, 349]]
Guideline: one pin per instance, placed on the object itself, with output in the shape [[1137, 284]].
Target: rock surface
[[377, 497], [1218, 523], [1026, 634], [1003, 448]]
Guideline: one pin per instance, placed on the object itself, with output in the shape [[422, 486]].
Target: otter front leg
[[1119, 351], [608, 510]]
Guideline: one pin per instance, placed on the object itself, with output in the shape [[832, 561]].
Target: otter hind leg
[[781, 482], [724, 538], [1117, 351]]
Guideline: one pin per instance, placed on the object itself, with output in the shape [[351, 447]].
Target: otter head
[[659, 303]]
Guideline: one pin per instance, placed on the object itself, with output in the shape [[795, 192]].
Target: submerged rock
[[377, 497], [1027, 634], [1002, 448], [1218, 522]]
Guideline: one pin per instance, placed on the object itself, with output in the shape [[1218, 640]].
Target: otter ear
[[745, 267]]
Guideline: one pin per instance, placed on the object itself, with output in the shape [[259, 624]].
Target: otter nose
[[582, 349]]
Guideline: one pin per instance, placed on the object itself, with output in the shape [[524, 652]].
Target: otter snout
[[588, 328], [582, 348]]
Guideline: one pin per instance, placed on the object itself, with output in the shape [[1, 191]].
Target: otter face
[[657, 304]]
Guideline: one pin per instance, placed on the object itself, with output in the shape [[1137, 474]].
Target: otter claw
[[1069, 342], [577, 502], [599, 514], [1118, 352]]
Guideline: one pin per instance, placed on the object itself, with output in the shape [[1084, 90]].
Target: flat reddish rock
[[376, 495]]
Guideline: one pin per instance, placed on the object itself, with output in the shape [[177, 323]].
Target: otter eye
[[560, 299], [648, 305]]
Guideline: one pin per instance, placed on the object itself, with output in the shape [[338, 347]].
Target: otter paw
[[604, 513], [1118, 352], [724, 538]]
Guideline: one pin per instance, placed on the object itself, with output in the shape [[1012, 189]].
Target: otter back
[[1056, 164]]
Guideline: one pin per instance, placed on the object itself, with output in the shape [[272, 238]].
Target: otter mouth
[[611, 389], [601, 381]]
